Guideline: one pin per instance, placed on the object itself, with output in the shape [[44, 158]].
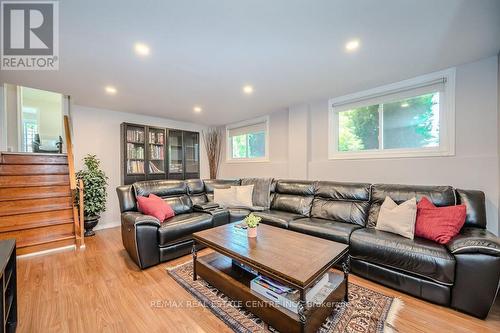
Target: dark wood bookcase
[[151, 153], [9, 285]]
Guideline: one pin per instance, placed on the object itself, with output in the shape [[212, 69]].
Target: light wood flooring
[[100, 289]]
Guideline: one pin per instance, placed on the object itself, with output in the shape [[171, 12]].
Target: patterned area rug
[[367, 310]]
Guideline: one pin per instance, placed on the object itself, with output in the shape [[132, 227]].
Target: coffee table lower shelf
[[234, 282]]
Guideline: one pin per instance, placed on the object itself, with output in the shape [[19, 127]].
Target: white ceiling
[[203, 52]]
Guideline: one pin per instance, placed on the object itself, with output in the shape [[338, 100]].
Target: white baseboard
[[58, 249]]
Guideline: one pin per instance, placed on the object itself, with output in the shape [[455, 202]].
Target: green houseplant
[[252, 222], [94, 192]]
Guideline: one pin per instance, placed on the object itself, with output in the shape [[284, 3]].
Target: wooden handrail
[[77, 207], [82, 219], [71, 159]]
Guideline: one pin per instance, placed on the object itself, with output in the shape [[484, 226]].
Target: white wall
[[97, 131], [474, 166]]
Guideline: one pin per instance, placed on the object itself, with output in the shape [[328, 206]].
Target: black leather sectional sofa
[[463, 274]]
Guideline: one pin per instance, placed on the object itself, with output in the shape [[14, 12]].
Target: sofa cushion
[[439, 224], [439, 196], [328, 229], [474, 201], [210, 184], [180, 204], [343, 202], [237, 214], [277, 218], [181, 227], [154, 206], [161, 188], [195, 186], [417, 256], [398, 219], [297, 187]]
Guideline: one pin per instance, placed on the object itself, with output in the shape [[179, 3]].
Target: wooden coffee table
[[294, 259]]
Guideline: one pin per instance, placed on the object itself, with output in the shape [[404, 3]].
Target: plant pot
[[252, 232], [89, 224]]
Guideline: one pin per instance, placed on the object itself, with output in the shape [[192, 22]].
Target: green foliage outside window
[[409, 123]]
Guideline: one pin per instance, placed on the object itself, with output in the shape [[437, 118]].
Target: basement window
[[411, 118], [247, 141]]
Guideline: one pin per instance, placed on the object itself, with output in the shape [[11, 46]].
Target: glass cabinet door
[[192, 154], [134, 154], [175, 155], [156, 151]]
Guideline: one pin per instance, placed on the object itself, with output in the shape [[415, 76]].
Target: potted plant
[[94, 192], [252, 222]]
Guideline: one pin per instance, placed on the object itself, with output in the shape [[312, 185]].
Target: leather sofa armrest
[[140, 238], [132, 219], [220, 215], [475, 240]]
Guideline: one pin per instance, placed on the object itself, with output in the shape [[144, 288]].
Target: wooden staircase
[[37, 194]]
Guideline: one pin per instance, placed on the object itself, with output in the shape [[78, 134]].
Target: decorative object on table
[[94, 195], [252, 222], [367, 311], [213, 143]]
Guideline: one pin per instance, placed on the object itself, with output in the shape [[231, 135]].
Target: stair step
[[35, 180], [30, 237], [39, 192], [33, 158], [33, 169], [53, 244], [35, 220], [34, 205]]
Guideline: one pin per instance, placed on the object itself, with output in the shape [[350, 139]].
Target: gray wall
[[278, 153], [474, 166]]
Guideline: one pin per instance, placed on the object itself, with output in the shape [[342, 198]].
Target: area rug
[[367, 310]]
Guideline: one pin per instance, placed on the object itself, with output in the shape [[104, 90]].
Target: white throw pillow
[[244, 195], [398, 219], [225, 196]]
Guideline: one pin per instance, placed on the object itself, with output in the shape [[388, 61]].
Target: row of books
[[134, 151], [285, 296], [157, 138], [154, 169], [156, 152], [135, 167], [135, 135]]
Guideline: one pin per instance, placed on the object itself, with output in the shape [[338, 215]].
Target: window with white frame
[[248, 140], [406, 119]]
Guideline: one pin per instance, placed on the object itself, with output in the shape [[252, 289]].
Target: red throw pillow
[[439, 224], [155, 206]]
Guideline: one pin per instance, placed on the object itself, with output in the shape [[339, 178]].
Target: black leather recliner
[[343, 212]]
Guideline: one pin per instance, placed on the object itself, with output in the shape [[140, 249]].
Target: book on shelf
[[135, 135], [153, 168], [135, 166], [156, 138], [135, 152], [156, 152], [288, 297]]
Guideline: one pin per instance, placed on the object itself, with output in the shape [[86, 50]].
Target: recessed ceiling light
[[141, 49], [110, 90], [404, 105], [352, 45], [248, 89], [197, 109]]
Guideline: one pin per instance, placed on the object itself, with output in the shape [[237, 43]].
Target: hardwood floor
[[100, 289]]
